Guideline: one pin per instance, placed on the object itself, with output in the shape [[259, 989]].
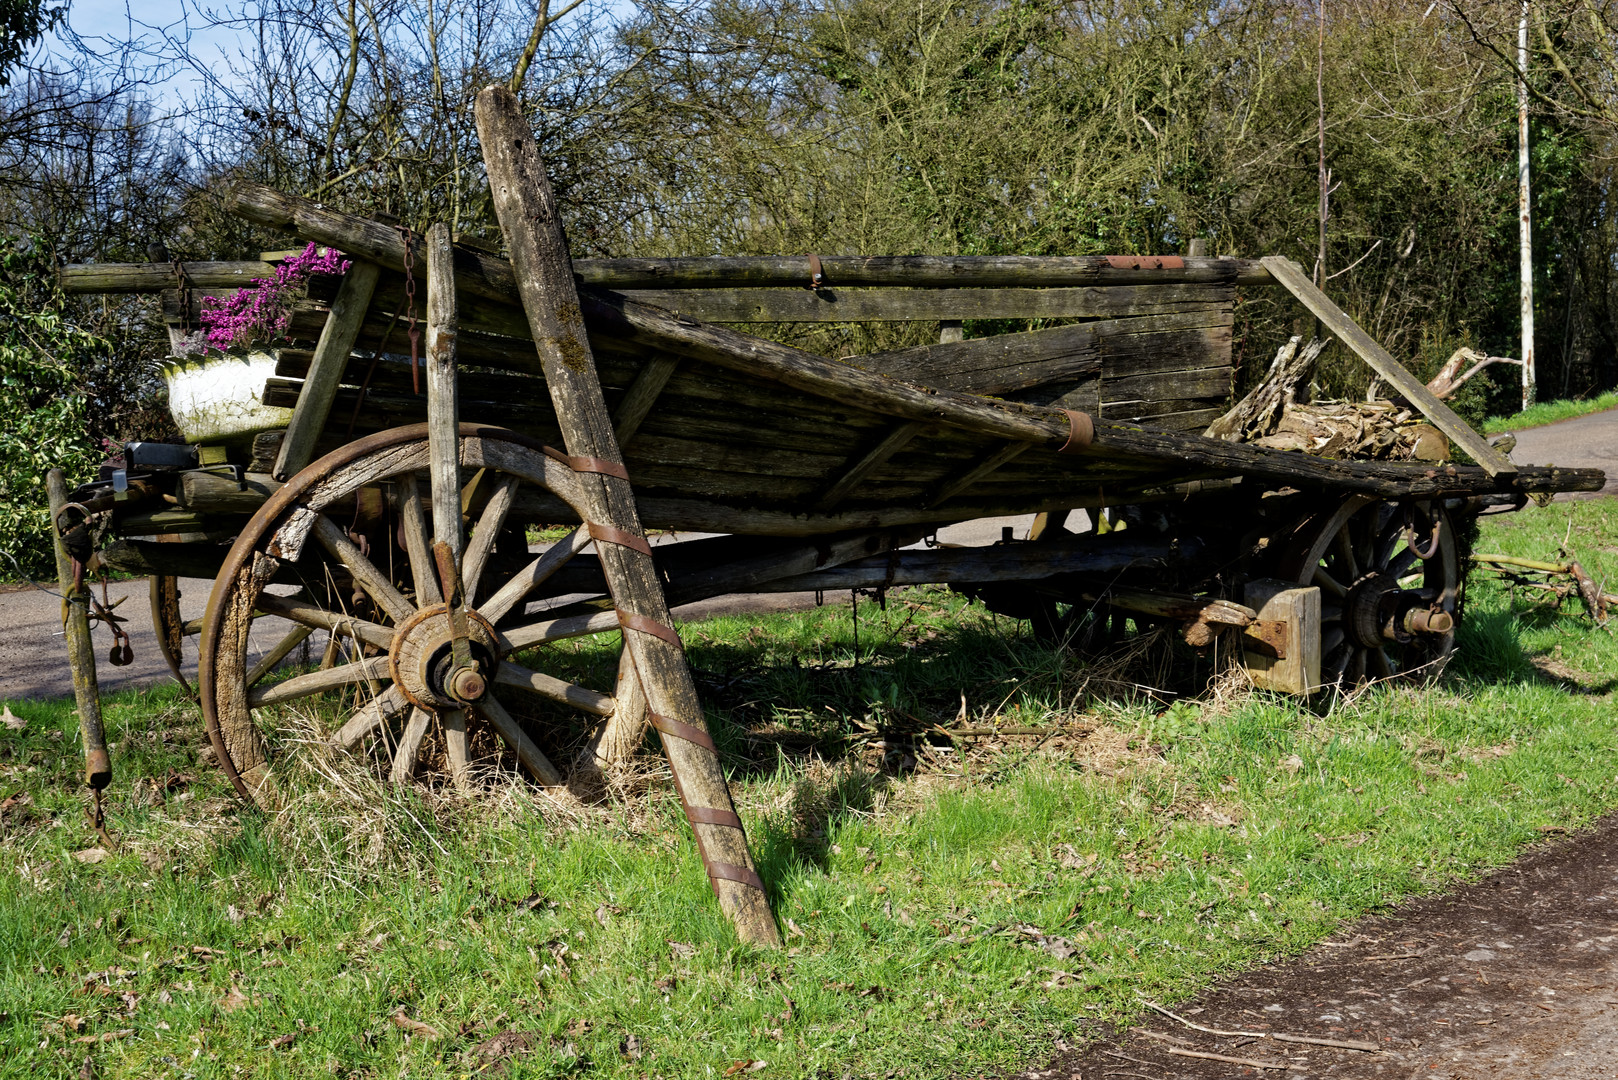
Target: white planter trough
[[217, 398]]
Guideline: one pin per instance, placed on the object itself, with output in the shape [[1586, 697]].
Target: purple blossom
[[262, 310]]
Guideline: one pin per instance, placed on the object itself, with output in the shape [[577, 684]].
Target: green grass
[[949, 921], [1549, 412]]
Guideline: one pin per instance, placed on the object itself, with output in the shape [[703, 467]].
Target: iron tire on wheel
[[1386, 611], [399, 638]]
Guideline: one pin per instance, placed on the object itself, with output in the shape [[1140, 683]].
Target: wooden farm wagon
[[391, 509]]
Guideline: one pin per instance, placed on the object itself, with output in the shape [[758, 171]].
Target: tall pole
[[1524, 211], [1320, 103]]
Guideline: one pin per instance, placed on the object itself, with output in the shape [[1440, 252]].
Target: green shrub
[[41, 398]]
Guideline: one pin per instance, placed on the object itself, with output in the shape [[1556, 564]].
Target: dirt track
[[1515, 976]]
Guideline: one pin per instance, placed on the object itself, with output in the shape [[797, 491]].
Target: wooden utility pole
[[1525, 211], [526, 208]]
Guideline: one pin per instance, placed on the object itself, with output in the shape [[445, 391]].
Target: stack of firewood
[[1279, 414]]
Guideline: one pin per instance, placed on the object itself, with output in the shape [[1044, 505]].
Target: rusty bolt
[[465, 684]]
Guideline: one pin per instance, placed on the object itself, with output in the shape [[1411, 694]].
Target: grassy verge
[[950, 908], [1549, 412]]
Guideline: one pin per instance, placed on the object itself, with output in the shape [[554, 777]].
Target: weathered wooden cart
[[381, 517]]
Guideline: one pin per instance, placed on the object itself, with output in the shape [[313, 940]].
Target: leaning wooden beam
[[155, 277], [526, 208], [326, 369], [895, 441], [1292, 278]]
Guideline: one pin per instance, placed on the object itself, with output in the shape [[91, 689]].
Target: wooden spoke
[[484, 535], [573, 626], [302, 611], [418, 542], [530, 755], [380, 709], [1381, 664], [373, 581], [1329, 584], [534, 575], [1351, 564], [456, 747], [301, 686], [272, 659], [409, 749], [1330, 639], [565, 692]]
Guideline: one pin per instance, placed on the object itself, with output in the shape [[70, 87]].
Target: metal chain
[[410, 304], [184, 281]]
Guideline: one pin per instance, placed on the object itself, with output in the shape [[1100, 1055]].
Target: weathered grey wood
[[318, 682], [481, 544], [1292, 278], [80, 649], [532, 758], [367, 576], [326, 368], [1011, 562], [1298, 611], [418, 542], [642, 394], [443, 408], [408, 752], [891, 444], [380, 709], [534, 574], [140, 558], [579, 697], [457, 748], [283, 648], [269, 207], [301, 611], [150, 277], [927, 305], [221, 493], [570, 626], [526, 208]]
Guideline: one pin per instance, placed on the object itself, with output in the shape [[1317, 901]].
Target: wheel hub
[[423, 666], [1377, 611]]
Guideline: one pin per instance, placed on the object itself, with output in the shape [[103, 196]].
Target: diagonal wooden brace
[[526, 207]]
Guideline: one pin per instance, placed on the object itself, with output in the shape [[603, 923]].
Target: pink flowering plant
[[262, 310]]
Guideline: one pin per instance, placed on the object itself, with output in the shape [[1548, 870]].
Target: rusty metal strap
[[816, 277], [621, 537], [1145, 262], [712, 815], [1081, 432], [630, 621], [589, 464], [724, 871], [679, 729]]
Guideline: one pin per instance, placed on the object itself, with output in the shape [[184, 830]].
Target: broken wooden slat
[[892, 443], [642, 394], [326, 369], [1292, 278]]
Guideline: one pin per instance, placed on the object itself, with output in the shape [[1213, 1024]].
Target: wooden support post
[[1292, 277], [1292, 613], [895, 441], [80, 650], [326, 369], [526, 208], [637, 402]]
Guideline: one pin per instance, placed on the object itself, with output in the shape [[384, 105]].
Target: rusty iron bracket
[[1269, 635], [1145, 262]]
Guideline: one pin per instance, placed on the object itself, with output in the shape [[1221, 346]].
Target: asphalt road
[[1585, 442]]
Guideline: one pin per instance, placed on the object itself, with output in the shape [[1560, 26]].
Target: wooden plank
[[443, 408], [326, 369], [1292, 278], [526, 209], [1298, 611], [151, 277], [642, 394], [891, 444], [927, 305]]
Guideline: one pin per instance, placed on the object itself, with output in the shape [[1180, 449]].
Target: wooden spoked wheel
[[168, 625], [396, 629], [1390, 582]]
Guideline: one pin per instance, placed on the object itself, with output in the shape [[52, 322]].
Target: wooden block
[[1292, 615]]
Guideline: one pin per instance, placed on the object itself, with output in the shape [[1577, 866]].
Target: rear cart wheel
[[1390, 583]]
